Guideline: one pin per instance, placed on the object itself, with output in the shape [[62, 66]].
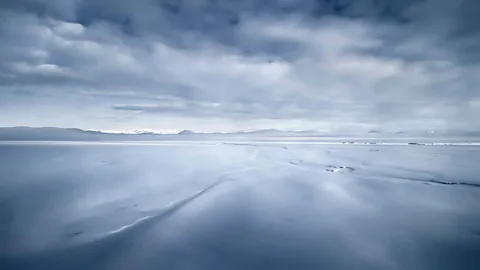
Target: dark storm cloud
[[371, 62]]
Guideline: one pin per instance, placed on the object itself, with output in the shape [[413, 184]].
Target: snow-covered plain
[[244, 205]]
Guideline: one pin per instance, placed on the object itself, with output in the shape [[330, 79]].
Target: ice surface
[[239, 205]]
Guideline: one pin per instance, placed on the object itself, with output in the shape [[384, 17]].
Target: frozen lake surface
[[211, 205]]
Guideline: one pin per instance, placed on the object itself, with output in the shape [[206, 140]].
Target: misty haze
[[222, 134]]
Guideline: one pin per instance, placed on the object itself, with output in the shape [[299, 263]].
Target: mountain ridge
[[67, 134]]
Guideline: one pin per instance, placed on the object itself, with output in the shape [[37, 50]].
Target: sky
[[231, 65]]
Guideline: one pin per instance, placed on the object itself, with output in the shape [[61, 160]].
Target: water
[[239, 206]]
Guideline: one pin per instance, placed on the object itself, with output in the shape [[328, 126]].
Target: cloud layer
[[236, 65]]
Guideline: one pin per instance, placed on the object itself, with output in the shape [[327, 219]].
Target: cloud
[[384, 64]]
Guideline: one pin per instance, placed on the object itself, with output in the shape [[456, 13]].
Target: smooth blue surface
[[219, 206]]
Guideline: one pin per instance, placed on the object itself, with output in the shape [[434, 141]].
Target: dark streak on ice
[[76, 233], [455, 183], [440, 182]]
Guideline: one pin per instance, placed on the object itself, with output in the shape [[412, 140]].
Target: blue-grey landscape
[[239, 134]]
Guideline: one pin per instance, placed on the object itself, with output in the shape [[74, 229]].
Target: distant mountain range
[[264, 132], [75, 134]]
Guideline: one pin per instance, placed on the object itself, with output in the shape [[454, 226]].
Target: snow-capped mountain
[[130, 131], [186, 132]]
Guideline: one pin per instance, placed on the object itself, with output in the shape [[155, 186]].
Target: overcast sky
[[225, 65]]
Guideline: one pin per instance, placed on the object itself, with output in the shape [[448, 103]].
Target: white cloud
[[335, 72], [41, 69], [68, 29]]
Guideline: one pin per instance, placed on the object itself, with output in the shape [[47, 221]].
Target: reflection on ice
[[239, 206]]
